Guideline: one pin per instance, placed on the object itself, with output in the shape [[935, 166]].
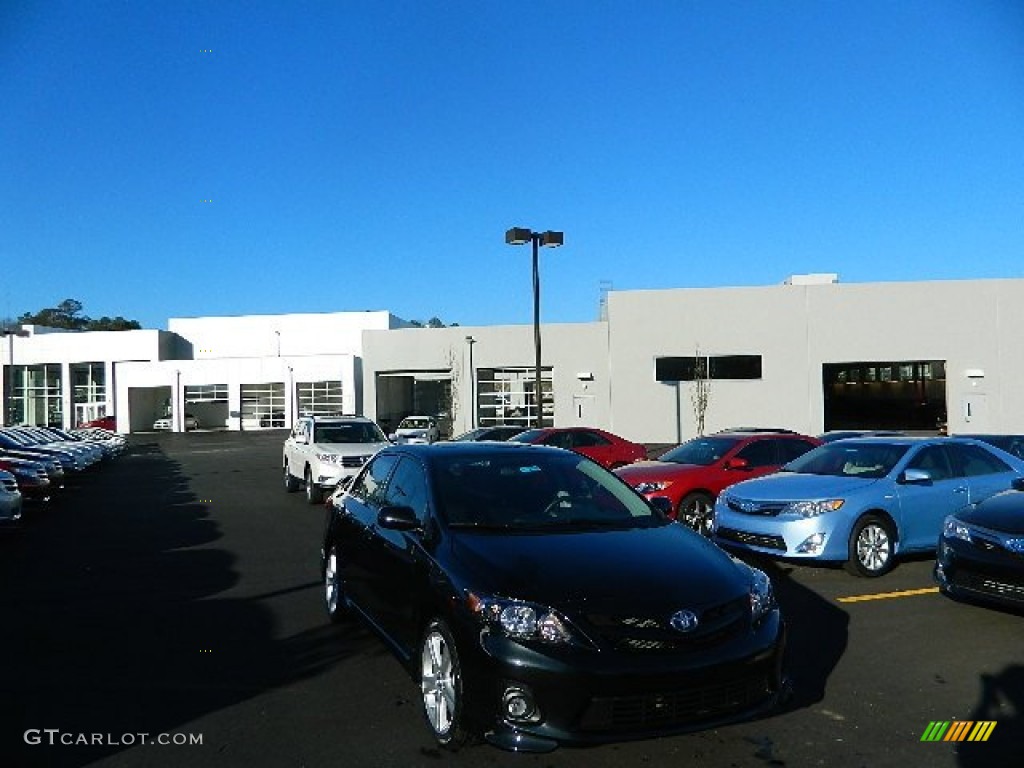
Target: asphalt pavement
[[174, 596]]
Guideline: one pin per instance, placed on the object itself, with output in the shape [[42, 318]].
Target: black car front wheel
[[441, 686], [334, 588]]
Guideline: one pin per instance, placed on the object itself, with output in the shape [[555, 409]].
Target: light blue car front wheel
[[871, 547]]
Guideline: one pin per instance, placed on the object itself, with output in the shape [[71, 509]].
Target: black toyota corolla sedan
[[981, 550], [538, 600]]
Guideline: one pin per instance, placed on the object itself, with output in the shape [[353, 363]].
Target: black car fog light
[[518, 704]]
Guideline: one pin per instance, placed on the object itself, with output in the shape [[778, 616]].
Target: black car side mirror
[[398, 519]]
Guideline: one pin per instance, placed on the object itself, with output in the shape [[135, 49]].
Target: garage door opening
[[419, 393], [909, 396]]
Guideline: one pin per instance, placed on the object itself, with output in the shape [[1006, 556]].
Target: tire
[[441, 687], [871, 547], [335, 600], [696, 510], [314, 493], [291, 483]]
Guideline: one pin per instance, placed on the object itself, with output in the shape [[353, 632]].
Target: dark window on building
[[717, 367], [735, 367]]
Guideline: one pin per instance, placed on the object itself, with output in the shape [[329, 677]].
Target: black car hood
[[666, 566], [1003, 512]]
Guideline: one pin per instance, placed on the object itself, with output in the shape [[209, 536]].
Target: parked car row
[[539, 598], [37, 462]]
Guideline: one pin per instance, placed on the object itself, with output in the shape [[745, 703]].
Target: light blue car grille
[[763, 508]]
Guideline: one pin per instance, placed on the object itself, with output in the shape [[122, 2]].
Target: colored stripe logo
[[958, 730]]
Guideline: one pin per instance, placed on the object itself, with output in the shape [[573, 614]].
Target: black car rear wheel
[[441, 686]]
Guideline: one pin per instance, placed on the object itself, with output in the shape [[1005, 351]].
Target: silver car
[[10, 499]]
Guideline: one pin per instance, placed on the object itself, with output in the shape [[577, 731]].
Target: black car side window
[[408, 488], [370, 485]]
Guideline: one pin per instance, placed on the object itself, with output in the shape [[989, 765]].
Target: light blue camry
[[861, 501]]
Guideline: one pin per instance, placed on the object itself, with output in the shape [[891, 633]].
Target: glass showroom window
[[263, 405], [506, 396], [36, 396], [206, 393], [88, 391], [319, 398]]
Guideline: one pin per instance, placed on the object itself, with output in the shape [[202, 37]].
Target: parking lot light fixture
[[548, 239]]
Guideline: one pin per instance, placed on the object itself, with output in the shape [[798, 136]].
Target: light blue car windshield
[[849, 459]]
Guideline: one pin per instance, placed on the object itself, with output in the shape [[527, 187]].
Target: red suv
[[606, 449], [694, 473]]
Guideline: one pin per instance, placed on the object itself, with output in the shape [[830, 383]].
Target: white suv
[[322, 451]]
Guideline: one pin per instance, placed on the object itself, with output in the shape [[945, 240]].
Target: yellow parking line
[[887, 595]]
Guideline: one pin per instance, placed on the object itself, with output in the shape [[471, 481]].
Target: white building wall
[[281, 335], [178, 374], [570, 349], [797, 328]]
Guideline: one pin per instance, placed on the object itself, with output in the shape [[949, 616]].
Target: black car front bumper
[[981, 570], [590, 697]]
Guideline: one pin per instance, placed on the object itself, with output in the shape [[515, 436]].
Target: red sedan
[[694, 473], [104, 422], [606, 449]]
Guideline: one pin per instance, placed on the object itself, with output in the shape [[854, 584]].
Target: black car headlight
[[521, 619], [955, 529], [762, 595]]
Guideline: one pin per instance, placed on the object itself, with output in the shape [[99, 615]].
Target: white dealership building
[[809, 354]]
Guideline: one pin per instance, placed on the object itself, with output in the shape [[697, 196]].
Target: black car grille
[[987, 544], [647, 634], [354, 461], [1005, 586], [9, 484], [752, 539], [762, 508], [671, 709]]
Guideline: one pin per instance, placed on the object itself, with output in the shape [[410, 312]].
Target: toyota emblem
[[683, 621]]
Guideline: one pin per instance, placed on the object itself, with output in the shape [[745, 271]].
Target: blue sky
[[179, 158]]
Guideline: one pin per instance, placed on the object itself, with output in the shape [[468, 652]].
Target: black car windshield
[[701, 451], [348, 433], [845, 458], [536, 491]]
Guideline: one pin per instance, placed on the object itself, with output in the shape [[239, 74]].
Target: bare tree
[[700, 390], [452, 395]]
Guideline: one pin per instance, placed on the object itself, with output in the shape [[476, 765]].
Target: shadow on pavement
[[1001, 700], [110, 620]]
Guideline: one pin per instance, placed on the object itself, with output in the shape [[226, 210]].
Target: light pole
[[472, 395], [549, 239]]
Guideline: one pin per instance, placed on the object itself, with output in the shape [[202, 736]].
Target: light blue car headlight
[[521, 619], [813, 508], [955, 529]]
